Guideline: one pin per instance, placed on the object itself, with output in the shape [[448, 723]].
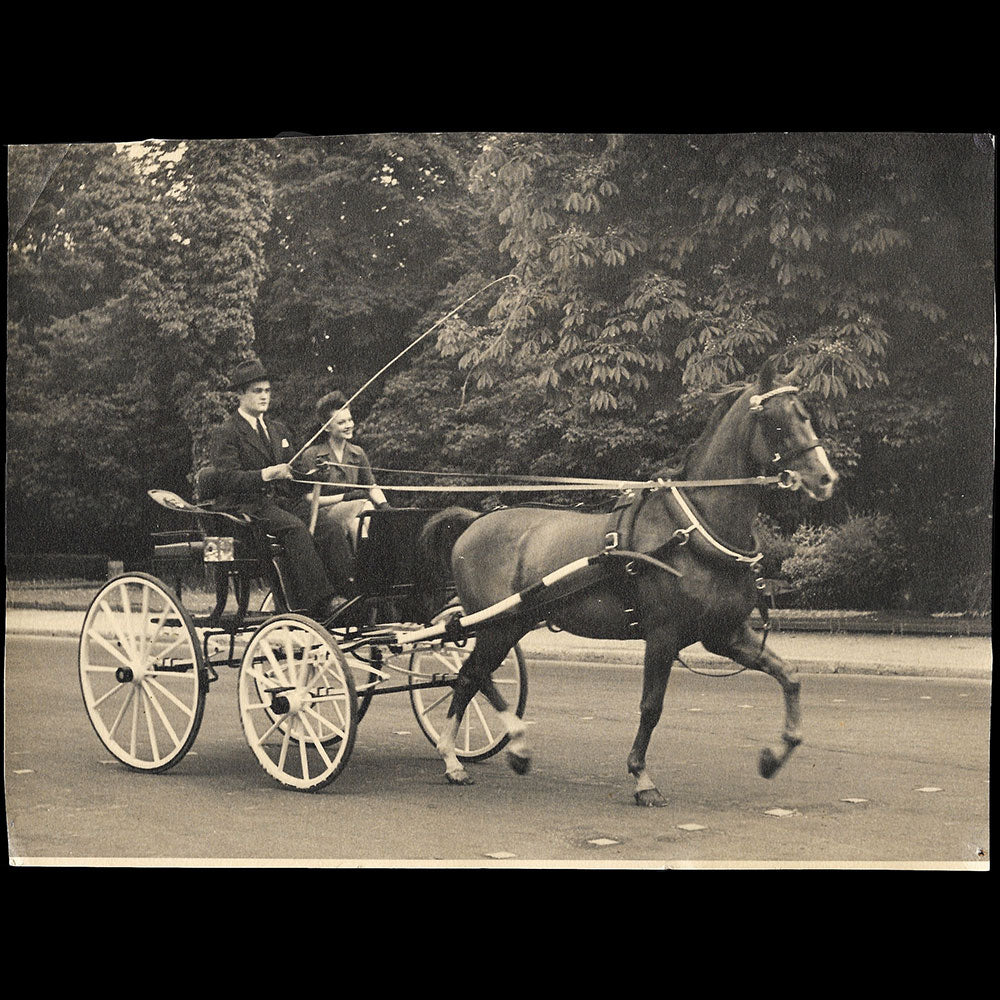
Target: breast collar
[[626, 511], [682, 535]]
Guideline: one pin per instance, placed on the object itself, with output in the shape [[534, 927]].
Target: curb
[[701, 661], [858, 624]]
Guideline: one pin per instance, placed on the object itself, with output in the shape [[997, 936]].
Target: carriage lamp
[[219, 549]]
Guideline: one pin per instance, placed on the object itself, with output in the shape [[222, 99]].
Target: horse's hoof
[[650, 797], [768, 764], [519, 763], [459, 778]]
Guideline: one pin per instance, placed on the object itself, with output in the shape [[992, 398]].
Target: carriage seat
[[206, 484], [206, 491], [215, 522]]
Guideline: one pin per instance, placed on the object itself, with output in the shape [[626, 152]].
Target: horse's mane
[[724, 398]]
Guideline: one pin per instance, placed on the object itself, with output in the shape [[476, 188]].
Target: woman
[[348, 489]]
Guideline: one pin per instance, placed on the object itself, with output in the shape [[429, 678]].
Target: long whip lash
[[529, 484], [406, 349]]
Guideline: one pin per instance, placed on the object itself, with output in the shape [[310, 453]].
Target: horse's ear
[[765, 377]]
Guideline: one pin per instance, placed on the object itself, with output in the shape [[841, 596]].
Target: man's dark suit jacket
[[238, 455]]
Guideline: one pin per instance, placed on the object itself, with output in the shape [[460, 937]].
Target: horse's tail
[[432, 558]]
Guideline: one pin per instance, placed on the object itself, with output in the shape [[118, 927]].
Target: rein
[[785, 480]]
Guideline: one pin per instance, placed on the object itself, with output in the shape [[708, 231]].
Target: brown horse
[[695, 579]]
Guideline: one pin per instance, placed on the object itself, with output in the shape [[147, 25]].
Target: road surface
[[894, 773]]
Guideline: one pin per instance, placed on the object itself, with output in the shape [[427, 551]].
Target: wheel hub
[[291, 702]]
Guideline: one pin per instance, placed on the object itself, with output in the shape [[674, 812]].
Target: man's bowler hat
[[246, 372]]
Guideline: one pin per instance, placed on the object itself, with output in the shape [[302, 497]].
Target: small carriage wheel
[[481, 734], [297, 702], [142, 672]]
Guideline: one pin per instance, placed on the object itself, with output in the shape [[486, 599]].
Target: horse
[[695, 576]]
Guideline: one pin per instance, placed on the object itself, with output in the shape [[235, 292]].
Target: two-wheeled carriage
[[147, 663]]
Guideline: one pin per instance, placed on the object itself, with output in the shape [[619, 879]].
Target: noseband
[[757, 406]]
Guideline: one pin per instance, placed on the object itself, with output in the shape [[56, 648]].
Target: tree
[[654, 269], [132, 287], [368, 231]]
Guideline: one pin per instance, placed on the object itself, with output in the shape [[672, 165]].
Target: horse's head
[[783, 441]]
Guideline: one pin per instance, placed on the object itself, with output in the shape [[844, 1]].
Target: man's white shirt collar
[[252, 421]]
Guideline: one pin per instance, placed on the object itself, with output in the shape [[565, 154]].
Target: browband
[[757, 402]]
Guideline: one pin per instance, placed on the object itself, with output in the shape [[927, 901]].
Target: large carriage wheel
[[481, 733], [142, 672], [297, 702]]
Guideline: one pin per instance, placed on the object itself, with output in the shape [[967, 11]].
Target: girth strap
[[618, 545]]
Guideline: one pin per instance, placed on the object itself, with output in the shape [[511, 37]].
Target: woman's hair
[[330, 403]]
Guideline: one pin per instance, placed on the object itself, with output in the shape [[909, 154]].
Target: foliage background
[[652, 269]]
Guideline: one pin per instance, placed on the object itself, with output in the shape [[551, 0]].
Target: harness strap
[[682, 534], [621, 521], [751, 559], [618, 544]]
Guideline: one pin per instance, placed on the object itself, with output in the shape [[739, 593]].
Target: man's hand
[[273, 472]]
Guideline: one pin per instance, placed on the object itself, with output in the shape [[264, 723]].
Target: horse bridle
[[757, 406]]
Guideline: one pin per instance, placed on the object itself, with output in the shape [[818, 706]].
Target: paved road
[[894, 772], [811, 652]]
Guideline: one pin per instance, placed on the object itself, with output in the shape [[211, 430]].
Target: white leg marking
[[643, 782], [446, 746], [517, 731]]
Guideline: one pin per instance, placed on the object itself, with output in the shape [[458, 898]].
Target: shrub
[[775, 546], [56, 566], [973, 592], [856, 565]]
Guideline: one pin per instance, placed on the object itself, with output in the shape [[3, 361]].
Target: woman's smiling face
[[341, 425]]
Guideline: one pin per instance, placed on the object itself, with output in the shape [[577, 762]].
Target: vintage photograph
[[500, 500]]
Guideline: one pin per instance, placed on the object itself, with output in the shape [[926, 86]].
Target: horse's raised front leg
[[745, 648], [661, 650]]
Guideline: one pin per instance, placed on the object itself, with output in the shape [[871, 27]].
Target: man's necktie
[[262, 433]]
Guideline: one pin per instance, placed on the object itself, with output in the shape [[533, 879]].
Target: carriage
[[147, 663], [668, 564]]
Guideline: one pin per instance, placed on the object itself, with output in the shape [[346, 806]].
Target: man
[[349, 488], [252, 474]]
